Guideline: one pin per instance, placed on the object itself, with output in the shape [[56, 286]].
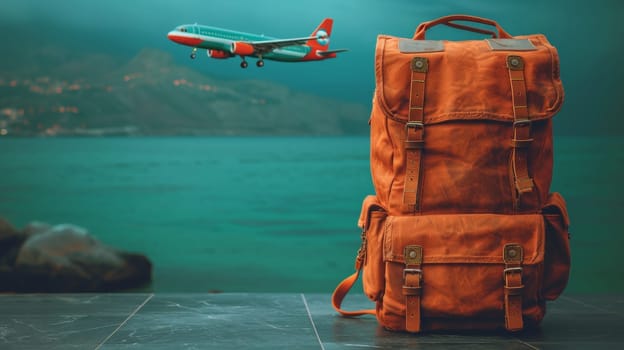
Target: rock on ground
[[65, 258]]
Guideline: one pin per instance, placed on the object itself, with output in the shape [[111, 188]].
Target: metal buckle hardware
[[521, 122], [511, 269], [415, 125], [405, 271], [361, 254]]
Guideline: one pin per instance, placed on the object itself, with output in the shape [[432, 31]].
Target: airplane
[[223, 43]]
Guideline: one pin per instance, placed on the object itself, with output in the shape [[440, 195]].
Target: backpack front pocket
[[478, 271]]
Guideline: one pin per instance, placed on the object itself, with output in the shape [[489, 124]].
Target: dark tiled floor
[[56, 321], [271, 321]]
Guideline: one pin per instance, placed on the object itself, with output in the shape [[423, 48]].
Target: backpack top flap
[[468, 80]]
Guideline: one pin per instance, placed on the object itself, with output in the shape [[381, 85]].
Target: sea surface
[[265, 214]]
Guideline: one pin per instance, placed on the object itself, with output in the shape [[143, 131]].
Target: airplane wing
[[270, 45], [329, 52]]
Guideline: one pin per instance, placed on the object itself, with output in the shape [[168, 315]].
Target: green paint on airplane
[[222, 43]]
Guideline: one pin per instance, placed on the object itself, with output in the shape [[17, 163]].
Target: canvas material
[[463, 264], [469, 208], [468, 116]]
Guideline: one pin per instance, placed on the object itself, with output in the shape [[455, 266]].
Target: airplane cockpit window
[[182, 29]]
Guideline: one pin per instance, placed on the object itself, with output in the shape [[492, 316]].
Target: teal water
[[264, 214]]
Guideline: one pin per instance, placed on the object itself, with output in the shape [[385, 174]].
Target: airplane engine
[[218, 54], [241, 49]]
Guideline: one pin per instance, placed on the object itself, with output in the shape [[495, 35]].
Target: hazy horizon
[[583, 32]]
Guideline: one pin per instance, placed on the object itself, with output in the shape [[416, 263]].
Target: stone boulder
[[65, 258], [10, 242]]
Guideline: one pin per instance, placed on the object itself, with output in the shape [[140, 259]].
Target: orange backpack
[[462, 232]]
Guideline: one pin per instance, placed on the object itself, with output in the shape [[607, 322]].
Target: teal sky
[[587, 34]]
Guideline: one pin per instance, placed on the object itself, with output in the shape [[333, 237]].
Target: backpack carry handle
[[449, 21]]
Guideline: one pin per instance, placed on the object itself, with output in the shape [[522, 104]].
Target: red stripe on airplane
[[185, 40]]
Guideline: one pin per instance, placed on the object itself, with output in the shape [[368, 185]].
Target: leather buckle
[[406, 271], [510, 269], [414, 144], [414, 125]]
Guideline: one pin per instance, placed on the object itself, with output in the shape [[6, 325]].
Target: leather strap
[[345, 286], [521, 141], [341, 291], [412, 287], [423, 27], [512, 255], [414, 134], [471, 29]]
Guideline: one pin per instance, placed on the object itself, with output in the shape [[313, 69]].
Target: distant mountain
[[54, 91]]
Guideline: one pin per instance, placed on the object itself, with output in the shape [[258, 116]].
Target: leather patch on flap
[[510, 44], [417, 46]]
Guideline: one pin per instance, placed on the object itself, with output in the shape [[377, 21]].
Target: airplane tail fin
[[322, 33]]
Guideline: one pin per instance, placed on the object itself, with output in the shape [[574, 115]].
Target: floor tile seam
[[134, 312], [525, 343], [591, 306], [305, 303]]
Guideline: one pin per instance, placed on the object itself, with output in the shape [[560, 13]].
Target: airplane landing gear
[[260, 63], [243, 64], [194, 53]]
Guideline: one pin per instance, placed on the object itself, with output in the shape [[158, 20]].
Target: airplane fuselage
[[222, 43], [219, 39]]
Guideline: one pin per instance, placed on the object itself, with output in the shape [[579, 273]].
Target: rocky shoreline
[[44, 258]]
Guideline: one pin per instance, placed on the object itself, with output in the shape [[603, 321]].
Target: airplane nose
[[184, 38]]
